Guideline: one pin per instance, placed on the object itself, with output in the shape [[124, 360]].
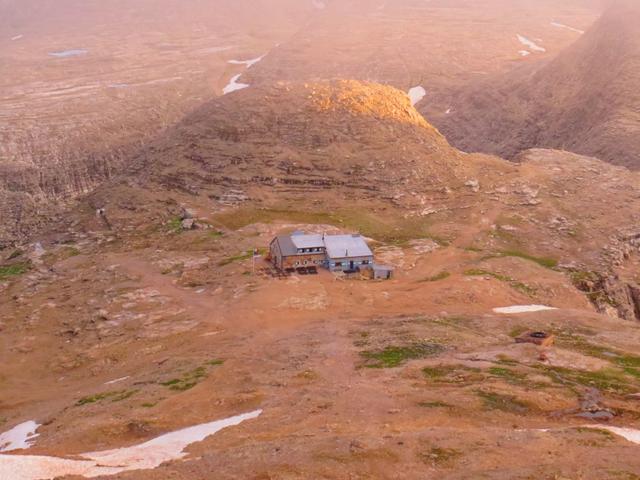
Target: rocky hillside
[[359, 156], [289, 140], [63, 130], [146, 312], [586, 100], [361, 152], [74, 95]]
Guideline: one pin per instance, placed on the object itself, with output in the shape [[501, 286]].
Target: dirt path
[[202, 307]]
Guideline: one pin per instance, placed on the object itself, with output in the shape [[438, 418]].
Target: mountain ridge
[[584, 100]]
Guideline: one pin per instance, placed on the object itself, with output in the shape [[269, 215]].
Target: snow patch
[[630, 434], [17, 37], [234, 85], [562, 25], [416, 94], [117, 380], [68, 53], [531, 44], [319, 4], [19, 437], [523, 309], [249, 63], [524, 53], [147, 455]]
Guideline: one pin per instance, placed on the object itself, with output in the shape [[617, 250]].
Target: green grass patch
[[452, 374], [436, 278], [236, 258], [594, 437], [174, 225], [455, 321], [436, 404], [13, 270], [240, 257], [191, 378], [392, 230], [187, 381], [622, 475], [394, 356], [15, 254], [506, 360], [508, 375], [606, 380], [440, 457], [503, 403], [518, 330], [545, 262], [214, 363], [596, 431], [116, 396], [629, 362], [515, 284], [478, 272], [70, 252]]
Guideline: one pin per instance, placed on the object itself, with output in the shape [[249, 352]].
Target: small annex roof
[[287, 248], [307, 241], [344, 246]]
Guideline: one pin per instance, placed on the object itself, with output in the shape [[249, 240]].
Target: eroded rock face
[[634, 295], [610, 294], [33, 195]]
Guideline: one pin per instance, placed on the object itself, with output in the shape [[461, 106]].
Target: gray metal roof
[[287, 248], [307, 241], [343, 246]]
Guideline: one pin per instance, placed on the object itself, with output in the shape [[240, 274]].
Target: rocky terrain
[[149, 316], [584, 100], [75, 100], [140, 338]]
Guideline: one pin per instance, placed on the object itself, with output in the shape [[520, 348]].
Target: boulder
[[189, 224]]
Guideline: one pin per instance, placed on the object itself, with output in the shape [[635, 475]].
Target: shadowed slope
[[586, 100]]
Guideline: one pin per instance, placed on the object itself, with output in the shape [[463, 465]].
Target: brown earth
[[67, 124], [357, 379]]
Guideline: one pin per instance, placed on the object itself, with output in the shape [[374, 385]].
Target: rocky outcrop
[[33, 194], [610, 294]]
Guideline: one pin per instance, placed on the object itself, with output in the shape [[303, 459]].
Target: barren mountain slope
[[360, 151], [136, 326], [438, 44], [585, 100], [82, 82]]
